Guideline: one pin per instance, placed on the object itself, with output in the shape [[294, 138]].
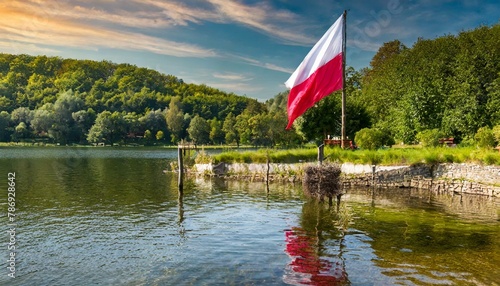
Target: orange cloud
[[27, 26]]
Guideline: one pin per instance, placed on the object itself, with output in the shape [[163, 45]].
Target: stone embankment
[[450, 177]]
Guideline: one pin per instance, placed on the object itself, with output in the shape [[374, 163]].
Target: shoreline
[[456, 178]]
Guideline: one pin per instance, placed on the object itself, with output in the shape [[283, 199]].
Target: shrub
[[484, 137], [467, 141], [496, 133], [429, 138], [369, 138], [203, 158]]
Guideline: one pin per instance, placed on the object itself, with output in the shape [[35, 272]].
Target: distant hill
[[32, 87]]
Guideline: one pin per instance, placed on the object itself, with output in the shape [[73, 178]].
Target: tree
[[429, 138], [496, 133], [108, 127], [84, 119], [21, 114], [4, 124], [148, 135], [385, 53], [21, 131], [154, 121], [216, 134], [43, 119], [175, 119], [159, 135], [229, 127], [485, 138], [63, 129], [369, 138], [322, 119], [199, 130], [102, 128], [260, 130]]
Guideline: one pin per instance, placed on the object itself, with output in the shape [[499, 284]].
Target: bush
[[369, 138], [496, 134], [429, 138], [484, 137]]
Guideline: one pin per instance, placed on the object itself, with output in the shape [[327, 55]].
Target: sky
[[246, 47]]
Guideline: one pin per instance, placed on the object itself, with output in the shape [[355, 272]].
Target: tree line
[[448, 86], [444, 87], [81, 101]]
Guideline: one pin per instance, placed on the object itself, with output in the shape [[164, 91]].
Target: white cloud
[[23, 27], [232, 76], [264, 18], [261, 64], [18, 48]]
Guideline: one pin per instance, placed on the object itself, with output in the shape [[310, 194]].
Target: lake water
[[106, 216]]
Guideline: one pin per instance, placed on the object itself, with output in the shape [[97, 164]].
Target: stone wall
[[471, 172], [254, 171], [456, 178]]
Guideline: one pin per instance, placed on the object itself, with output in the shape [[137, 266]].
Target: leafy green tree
[[323, 119], [108, 127], [243, 128], [494, 101], [385, 53], [369, 138], [485, 138], [154, 120], [429, 138], [230, 130], [278, 134], [175, 119], [101, 130], [63, 129], [216, 134], [199, 130], [4, 124], [159, 135], [39, 88], [496, 133], [148, 135], [43, 119], [260, 130], [21, 114], [278, 103], [21, 131], [132, 123]]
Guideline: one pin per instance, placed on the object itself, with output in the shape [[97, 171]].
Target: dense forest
[[446, 87], [81, 101]]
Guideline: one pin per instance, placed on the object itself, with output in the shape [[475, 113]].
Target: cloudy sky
[[249, 47]]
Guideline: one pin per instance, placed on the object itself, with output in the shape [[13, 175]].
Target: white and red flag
[[320, 73]]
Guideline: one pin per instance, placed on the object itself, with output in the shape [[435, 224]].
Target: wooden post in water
[[180, 162], [321, 153], [267, 171]]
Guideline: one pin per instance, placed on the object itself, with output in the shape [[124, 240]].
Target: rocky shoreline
[[449, 177]]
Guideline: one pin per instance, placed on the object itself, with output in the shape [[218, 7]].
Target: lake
[[110, 216]]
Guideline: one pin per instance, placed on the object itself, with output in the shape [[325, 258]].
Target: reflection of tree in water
[[315, 248]]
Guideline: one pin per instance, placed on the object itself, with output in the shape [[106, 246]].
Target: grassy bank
[[393, 156]]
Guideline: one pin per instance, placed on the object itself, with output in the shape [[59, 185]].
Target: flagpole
[[343, 136]]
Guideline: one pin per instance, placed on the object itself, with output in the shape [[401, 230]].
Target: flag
[[319, 74]]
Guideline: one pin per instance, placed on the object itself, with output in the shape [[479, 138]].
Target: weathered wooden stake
[[267, 172], [321, 153], [180, 162], [373, 174]]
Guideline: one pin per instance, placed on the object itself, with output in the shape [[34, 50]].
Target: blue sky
[[249, 47]]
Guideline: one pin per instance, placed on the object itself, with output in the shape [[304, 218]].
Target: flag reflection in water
[[307, 267], [316, 247]]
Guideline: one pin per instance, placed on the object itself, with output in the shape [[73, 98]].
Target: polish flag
[[319, 74]]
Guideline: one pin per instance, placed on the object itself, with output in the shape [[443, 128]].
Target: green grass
[[393, 156]]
